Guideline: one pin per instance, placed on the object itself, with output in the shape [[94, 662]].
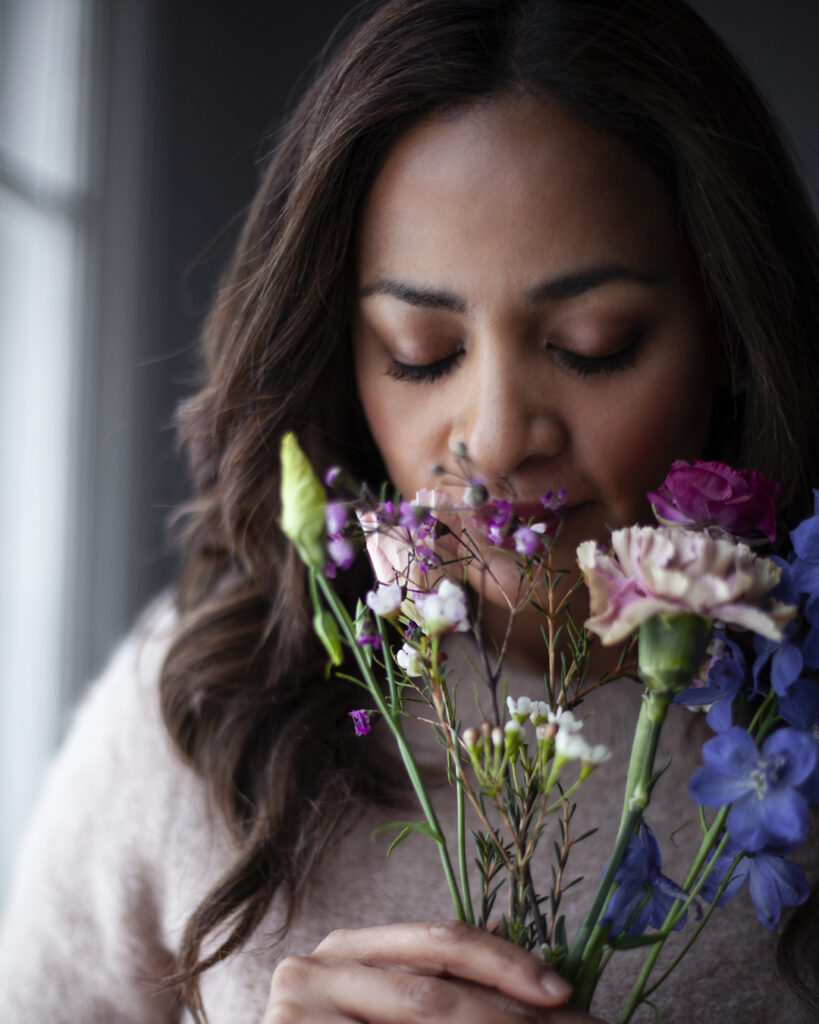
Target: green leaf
[[560, 939], [408, 827]]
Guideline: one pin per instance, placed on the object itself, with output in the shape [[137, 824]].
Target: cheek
[[409, 434], [634, 445]]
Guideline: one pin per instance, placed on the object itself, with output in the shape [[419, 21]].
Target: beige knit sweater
[[122, 846]]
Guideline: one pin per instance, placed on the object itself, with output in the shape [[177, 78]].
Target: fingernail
[[555, 986]]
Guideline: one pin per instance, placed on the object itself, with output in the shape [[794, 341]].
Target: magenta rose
[[739, 501]]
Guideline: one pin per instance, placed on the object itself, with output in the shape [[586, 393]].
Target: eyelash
[[583, 366], [425, 373], [589, 366]]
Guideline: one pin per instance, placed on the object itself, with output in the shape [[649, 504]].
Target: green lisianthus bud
[[326, 629], [671, 649], [303, 502]]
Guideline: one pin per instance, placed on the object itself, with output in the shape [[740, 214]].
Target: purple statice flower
[[331, 476], [638, 877], [800, 708], [762, 787], [411, 516], [426, 558], [552, 500], [341, 552], [335, 516], [726, 677], [366, 632], [527, 541], [497, 524], [361, 721], [773, 882]]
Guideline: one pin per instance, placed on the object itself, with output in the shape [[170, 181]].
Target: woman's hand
[[400, 974]]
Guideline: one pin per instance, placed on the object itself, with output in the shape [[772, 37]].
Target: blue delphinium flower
[[805, 540], [762, 787], [800, 708], [784, 658], [773, 882], [639, 879], [726, 677]]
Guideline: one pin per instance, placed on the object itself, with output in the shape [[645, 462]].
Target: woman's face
[[523, 290]]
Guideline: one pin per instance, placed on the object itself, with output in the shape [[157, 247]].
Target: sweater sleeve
[[82, 938]]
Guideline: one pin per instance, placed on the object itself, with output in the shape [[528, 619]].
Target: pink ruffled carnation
[[656, 570], [739, 501]]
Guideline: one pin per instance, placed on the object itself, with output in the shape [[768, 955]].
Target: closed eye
[[424, 373], [588, 366]]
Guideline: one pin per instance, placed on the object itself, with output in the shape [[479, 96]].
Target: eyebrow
[[425, 298], [567, 286]]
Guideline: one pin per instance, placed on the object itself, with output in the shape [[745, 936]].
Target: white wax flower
[[410, 660], [569, 744], [564, 720], [444, 610], [539, 712], [597, 754], [386, 600]]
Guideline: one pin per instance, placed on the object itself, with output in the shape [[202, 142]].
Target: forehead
[[516, 176]]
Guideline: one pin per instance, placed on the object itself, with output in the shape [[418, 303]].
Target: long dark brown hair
[[243, 688]]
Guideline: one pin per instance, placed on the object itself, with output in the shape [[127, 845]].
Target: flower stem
[[462, 862], [392, 718], [638, 991], [581, 967]]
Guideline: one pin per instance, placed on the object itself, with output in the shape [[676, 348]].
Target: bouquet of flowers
[[701, 618]]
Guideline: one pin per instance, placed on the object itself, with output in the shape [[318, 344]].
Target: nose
[[508, 414]]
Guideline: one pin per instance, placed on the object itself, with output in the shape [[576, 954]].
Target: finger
[[450, 947], [295, 1013], [386, 996]]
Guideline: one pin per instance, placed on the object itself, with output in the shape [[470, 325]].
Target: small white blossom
[[597, 754], [497, 736], [564, 720], [539, 712], [444, 610], [410, 660], [570, 745], [386, 600], [519, 709]]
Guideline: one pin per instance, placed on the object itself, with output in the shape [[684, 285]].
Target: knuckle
[[450, 932], [427, 997], [339, 938], [289, 978]]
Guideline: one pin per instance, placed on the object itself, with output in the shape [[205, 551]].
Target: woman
[[563, 233]]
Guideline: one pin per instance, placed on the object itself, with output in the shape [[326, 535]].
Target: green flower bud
[[672, 648], [303, 500], [326, 629]]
